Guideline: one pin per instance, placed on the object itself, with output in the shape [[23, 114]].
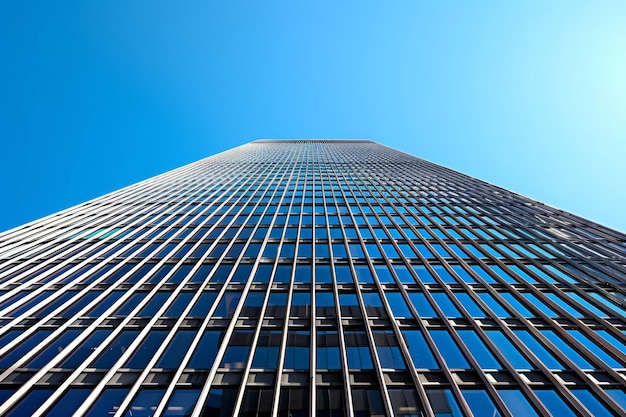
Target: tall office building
[[312, 278]]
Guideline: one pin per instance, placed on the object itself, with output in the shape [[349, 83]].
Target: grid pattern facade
[[312, 278]]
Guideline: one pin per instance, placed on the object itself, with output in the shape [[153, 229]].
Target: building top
[[313, 141]]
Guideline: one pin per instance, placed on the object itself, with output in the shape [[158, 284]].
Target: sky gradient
[[530, 96]]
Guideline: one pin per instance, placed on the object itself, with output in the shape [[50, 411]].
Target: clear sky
[[97, 95]]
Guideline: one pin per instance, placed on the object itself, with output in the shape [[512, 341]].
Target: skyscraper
[[312, 278]]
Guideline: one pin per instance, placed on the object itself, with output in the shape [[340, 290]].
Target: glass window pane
[[538, 349], [595, 349], [480, 403], [494, 305], [479, 350], [567, 350], [30, 403], [422, 305], [384, 274], [344, 275], [516, 304], [470, 305], [399, 307], [508, 349], [107, 403], [443, 403], [619, 396], [591, 403], [420, 352], [423, 274], [227, 304], [69, 402], [446, 305], [176, 349], [145, 403], [116, 349], [257, 402], [238, 349], [204, 355], [181, 403], [448, 349], [294, 402], [517, 403], [364, 275], [405, 402], [80, 353], [553, 402], [367, 403]]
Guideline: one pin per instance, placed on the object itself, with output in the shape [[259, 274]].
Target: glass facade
[[312, 278]]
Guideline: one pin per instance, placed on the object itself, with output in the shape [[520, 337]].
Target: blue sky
[[530, 95]]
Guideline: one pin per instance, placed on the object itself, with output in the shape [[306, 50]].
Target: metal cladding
[[312, 278]]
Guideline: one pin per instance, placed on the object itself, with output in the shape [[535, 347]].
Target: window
[[493, 304], [595, 349], [373, 304], [399, 308], [115, 349], [294, 402], [179, 304], [242, 273], [480, 403], [181, 402], [283, 274], [266, 353], [446, 305], [538, 349], [423, 274], [343, 274], [297, 350], [553, 402], [479, 350], [257, 402], [470, 305], [357, 350], [227, 304], [443, 403], [328, 356], [367, 403], [329, 402], [79, 354], [448, 349], [176, 349], [221, 274], [107, 403], [422, 305], [145, 403], [303, 274], [300, 304], [324, 304], [591, 403], [68, 401], [323, 274], [418, 349], [508, 349], [517, 403], [205, 352], [388, 350], [32, 401], [567, 350], [277, 305], [263, 273], [238, 349], [404, 402], [203, 304]]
